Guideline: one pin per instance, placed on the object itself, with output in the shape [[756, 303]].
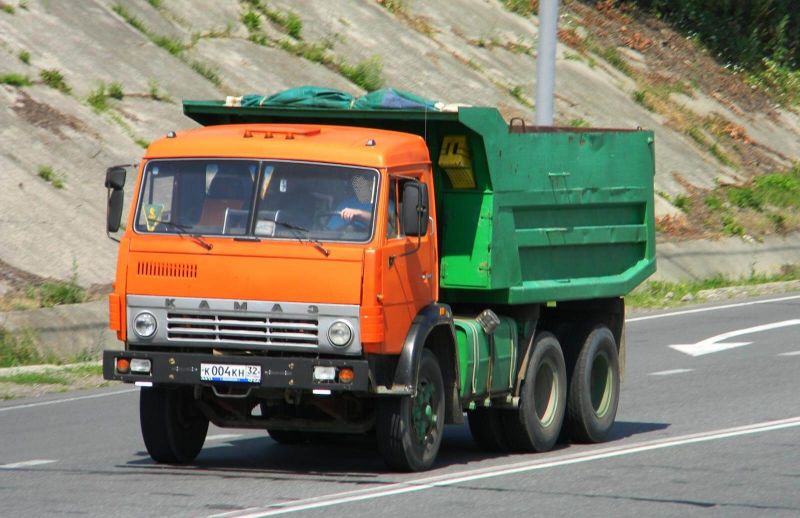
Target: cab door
[[409, 274]]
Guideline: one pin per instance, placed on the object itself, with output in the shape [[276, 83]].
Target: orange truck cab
[[288, 270]]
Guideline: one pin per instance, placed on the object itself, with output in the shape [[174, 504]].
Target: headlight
[[144, 325], [340, 334]]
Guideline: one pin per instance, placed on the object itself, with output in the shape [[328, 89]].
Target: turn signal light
[[346, 375], [123, 365]]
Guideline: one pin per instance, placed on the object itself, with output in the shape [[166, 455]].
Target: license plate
[[230, 373]]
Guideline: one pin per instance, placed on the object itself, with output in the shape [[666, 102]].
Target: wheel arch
[[432, 329]]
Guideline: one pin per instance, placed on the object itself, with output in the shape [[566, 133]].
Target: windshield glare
[[292, 200]]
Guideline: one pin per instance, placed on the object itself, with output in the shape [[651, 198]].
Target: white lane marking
[[66, 400], [713, 345], [450, 479], [713, 308], [222, 436], [670, 372], [27, 463], [791, 353]]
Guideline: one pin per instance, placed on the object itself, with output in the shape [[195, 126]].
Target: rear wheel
[[409, 429], [173, 427], [486, 427], [594, 388], [535, 425]]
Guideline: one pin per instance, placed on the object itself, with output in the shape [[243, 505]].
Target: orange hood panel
[[303, 276]]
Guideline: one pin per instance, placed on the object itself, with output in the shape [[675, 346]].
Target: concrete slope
[[465, 51]]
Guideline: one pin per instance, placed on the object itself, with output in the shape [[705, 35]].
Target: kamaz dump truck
[[311, 271]]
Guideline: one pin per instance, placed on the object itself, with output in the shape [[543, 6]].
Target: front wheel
[[409, 429], [536, 424], [173, 427], [594, 388]]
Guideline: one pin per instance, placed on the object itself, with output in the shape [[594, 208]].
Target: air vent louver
[[157, 269]]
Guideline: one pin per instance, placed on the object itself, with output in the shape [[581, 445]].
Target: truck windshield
[[264, 199]]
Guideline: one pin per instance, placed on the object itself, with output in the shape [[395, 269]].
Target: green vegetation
[[115, 91], [252, 20], [578, 123], [131, 19], [56, 293], [24, 56], [18, 349], [154, 3], [168, 43], [47, 174], [208, 72], [36, 378], [517, 92], [367, 74], [55, 79], [98, 98], [521, 7], [661, 294], [289, 21], [760, 36], [7, 8], [18, 80]]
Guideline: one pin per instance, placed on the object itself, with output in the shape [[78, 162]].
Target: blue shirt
[[336, 221]]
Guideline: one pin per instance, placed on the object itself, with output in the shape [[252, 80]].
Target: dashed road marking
[[223, 436], [670, 372], [27, 463], [790, 353]]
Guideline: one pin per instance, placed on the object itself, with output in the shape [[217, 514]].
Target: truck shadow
[[345, 459]]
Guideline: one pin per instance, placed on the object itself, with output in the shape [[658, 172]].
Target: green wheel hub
[[422, 415]]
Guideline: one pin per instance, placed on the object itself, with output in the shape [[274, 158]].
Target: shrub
[[24, 56], [18, 349], [115, 91], [98, 99], [17, 80], [55, 79], [367, 74]]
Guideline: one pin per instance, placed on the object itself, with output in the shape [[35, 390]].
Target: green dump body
[[555, 213]]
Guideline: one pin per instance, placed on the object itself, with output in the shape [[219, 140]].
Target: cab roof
[[315, 143]]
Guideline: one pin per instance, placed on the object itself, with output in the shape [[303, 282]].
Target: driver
[[357, 208]]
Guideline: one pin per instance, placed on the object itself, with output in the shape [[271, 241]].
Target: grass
[[18, 80], [24, 56], [35, 378], [252, 20], [18, 349], [6, 8], [521, 7], [47, 174], [55, 79], [208, 72], [518, 93], [155, 3], [367, 73], [578, 123], [98, 98], [115, 91], [661, 294]]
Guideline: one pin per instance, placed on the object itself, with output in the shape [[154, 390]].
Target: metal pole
[[546, 62]]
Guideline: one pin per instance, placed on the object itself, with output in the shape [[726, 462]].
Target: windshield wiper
[[303, 238], [197, 238]]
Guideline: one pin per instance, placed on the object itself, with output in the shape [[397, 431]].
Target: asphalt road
[[711, 433]]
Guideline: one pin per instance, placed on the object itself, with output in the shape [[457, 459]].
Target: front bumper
[[276, 373]]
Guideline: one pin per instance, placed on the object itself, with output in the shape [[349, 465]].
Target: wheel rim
[[423, 413], [545, 392], [601, 384]]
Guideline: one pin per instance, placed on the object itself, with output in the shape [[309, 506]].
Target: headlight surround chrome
[[145, 325], [340, 333]]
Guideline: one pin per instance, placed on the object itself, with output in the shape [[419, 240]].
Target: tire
[[486, 427], [409, 429], [535, 425], [287, 436], [594, 388], [173, 427]]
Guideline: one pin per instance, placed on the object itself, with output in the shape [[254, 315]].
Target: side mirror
[[414, 217], [115, 181], [115, 178]]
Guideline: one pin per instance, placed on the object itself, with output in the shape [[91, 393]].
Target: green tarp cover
[[318, 97]]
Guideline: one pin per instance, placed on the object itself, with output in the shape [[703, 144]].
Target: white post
[[546, 62]]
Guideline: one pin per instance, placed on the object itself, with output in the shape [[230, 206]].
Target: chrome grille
[[214, 328]]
